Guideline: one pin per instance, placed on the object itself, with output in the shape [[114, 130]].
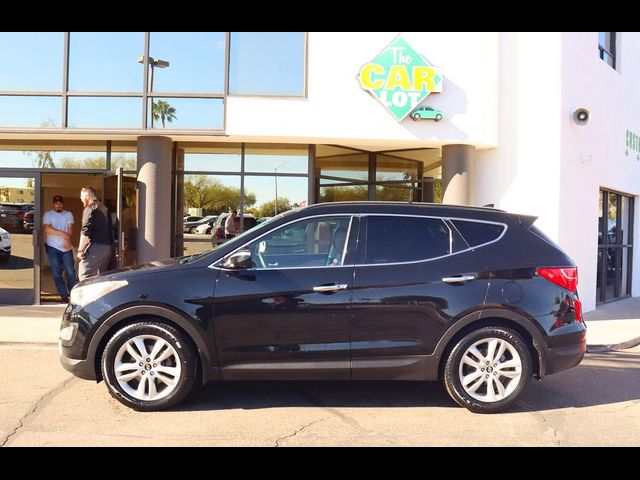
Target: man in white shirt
[[58, 228], [230, 228]]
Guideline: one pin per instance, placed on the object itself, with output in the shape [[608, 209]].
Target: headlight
[[88, 293], [4, 236]]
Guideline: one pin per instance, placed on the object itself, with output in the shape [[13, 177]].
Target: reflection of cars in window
[[218, 237], [190, 226], [12, 216], [5, 244], [28, 220], [206, 226], [340, 291], [427, 113]]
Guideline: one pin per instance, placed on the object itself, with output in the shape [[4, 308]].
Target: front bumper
[[73, 351], [80, 368]]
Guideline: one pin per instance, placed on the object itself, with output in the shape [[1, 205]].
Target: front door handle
[[459, 279], [330, 288]]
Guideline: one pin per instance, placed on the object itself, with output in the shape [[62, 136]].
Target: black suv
[[475, 297]]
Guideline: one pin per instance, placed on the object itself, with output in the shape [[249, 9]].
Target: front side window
[[607, 47], [315, 242], [405, 239]]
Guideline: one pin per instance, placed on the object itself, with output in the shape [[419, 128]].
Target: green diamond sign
[[400, 78]]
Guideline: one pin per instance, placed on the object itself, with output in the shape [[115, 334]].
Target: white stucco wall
[[593, 156], [523, 174], [337, 110]]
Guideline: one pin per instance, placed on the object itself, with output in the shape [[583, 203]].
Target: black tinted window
[[405, 239], [476, 233]]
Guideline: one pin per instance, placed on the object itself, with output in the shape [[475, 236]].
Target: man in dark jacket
[[96, 241]]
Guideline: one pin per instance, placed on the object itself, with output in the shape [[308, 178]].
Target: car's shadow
[[604, 378]]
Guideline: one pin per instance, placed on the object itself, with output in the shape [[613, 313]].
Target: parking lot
[[597, 403]]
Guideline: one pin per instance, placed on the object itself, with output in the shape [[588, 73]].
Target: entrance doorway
[[118, 194], [615, 246]]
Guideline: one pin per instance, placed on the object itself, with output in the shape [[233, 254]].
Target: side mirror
[[239, 260]]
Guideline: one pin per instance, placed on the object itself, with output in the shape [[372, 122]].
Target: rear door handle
[[330, 288], [458, 279]]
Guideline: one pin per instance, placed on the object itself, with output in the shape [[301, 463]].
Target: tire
[[416, 116], [174, 375], [438, 117], [497, 392], [208, 232], [192, 230]]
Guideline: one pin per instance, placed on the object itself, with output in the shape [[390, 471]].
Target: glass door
[[19, 237], [121, 198], [615, 246]]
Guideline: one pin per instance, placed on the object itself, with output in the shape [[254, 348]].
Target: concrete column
[[154, 198], [456, 165], [178, 214]]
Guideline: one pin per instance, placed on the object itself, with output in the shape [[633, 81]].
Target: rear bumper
[[565, 357]]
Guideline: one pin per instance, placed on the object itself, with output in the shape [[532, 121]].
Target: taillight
[[566, 277]]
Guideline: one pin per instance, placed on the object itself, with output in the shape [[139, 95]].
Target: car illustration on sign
[[427, 112]]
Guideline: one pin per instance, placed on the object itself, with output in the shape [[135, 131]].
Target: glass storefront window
[[393, 168], [196, 61], [218, 159], [51, 156], [31, 61], [124, 155], [267, 63], [354, 166], [211, 194], [187, 113], [343, 193], [39, 112], [261, 197], [270, 158], [104, 112], [105, 61]]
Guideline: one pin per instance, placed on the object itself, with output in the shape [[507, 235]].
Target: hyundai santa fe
[[477, 298]]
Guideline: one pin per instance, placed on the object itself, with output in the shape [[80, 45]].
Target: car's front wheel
[[149, 366], [488, 369], [416, 116]]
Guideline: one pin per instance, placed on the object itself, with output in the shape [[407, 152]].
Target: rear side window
[[405, 239], [477, 233]]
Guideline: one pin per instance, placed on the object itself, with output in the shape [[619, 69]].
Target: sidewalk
[[613, 326]]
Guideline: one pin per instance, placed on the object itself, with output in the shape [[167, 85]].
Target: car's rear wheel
[[149, 366], [438, 117], [192, 230], [488, 369]]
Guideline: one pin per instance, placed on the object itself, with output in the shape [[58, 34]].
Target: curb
[[613, 347]]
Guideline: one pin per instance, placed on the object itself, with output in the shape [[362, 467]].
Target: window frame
[[362, 216], [602, 49]]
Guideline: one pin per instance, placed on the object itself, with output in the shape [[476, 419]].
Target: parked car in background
[[190, 227], [27, 220], [192, 218], [477, 298], [12, 216], [218, 237], [206, 227], [5, 244]]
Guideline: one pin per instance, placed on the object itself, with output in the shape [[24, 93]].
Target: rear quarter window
[[477, 233]]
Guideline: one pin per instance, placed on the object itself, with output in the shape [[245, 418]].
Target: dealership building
[[542, 124]]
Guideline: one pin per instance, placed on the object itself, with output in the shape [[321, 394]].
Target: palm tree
[[163, 111]]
